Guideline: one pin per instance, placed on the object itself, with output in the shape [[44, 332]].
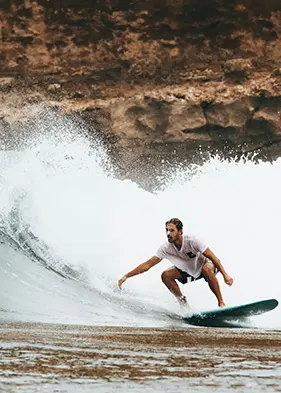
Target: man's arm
[[210, 255], [143, 267]]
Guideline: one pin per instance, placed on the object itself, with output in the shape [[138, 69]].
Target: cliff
[[163, 82]]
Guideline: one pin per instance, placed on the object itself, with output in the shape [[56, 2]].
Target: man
[[192, 260]]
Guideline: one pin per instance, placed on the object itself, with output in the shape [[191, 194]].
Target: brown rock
[[159, 79], [184, 118], [6, 84], [234, 114], [270, 118], [54, 87], [140, 118], [239, 68]]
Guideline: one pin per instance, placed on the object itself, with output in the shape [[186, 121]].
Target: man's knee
[[166, 276], [208, 270]]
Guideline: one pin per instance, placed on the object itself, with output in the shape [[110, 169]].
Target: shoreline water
[[66, 358]]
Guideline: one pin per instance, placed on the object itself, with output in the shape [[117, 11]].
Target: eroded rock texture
[[163, 82]]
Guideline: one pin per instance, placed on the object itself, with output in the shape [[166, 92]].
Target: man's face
[[172, 233]]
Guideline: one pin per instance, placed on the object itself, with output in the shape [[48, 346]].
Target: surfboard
[[227, 316]]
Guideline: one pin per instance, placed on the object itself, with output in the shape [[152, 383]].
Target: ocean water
[[70, 230]]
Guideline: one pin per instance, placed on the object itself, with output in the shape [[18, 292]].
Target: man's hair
[[176, 222]]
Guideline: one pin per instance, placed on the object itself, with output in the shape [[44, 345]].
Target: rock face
[[163, 82]]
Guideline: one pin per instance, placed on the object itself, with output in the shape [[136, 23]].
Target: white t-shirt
[[189, 258]]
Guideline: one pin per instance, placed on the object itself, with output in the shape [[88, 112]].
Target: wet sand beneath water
[[66, 358]]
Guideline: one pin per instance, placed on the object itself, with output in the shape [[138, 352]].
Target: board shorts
[[185, 277]]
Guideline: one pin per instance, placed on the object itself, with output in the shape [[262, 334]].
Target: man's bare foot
[[222, 304], [183, 302]]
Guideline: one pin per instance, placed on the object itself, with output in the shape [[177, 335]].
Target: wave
[[69, 230]]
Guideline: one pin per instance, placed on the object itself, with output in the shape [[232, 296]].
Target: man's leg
[[208, 271], [169, 278]]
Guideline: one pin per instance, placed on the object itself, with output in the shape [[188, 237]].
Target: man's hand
[[143, 267], [121, 281], [228, 280]]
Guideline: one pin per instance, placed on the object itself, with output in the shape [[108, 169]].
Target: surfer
[[191, 259]]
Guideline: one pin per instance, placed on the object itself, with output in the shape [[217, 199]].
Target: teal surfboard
[[227, 316]]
